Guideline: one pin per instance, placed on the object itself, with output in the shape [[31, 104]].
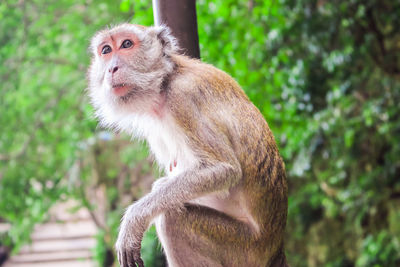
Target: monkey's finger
[[125, 262], [135, 254], [139, 262], [130, 259]]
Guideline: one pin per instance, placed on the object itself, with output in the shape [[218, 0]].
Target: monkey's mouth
[[124, 92], [121, 89]]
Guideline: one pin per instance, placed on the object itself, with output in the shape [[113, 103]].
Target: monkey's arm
[[194, 183], [172, 194]]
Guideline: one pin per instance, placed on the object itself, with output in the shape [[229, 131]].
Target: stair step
[[59, 245], [64, 230], [53, 256], [66, 240], [83, 263], [66, 211]]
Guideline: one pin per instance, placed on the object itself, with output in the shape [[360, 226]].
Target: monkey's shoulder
[[203, 93], [204, 83]]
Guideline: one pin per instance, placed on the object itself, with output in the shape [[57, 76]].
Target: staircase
[[66, 240]]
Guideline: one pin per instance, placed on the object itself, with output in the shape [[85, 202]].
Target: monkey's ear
[[168, 42]]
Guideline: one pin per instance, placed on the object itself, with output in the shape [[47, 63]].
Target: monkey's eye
[[106, 49], [126, 44]]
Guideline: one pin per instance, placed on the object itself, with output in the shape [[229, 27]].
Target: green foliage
[[325, 74], [100, 251], [379, 250], [151, 249]]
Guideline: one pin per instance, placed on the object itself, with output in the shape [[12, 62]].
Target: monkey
[[223, 199]]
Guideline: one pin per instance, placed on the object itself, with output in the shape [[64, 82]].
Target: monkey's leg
[[201, 236]]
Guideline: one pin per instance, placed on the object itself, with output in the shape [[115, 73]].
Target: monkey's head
[[128, 66]]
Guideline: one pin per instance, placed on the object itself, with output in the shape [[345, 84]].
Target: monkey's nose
[[113, 69]]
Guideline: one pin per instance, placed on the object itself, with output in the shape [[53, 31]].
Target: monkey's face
[[117, 53], [129, 63]]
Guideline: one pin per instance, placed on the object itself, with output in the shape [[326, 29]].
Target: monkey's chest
[[170, 149]]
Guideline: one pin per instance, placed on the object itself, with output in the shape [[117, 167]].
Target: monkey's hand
[[130, 237]]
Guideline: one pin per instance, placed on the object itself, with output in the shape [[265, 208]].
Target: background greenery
[[325, 74]]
